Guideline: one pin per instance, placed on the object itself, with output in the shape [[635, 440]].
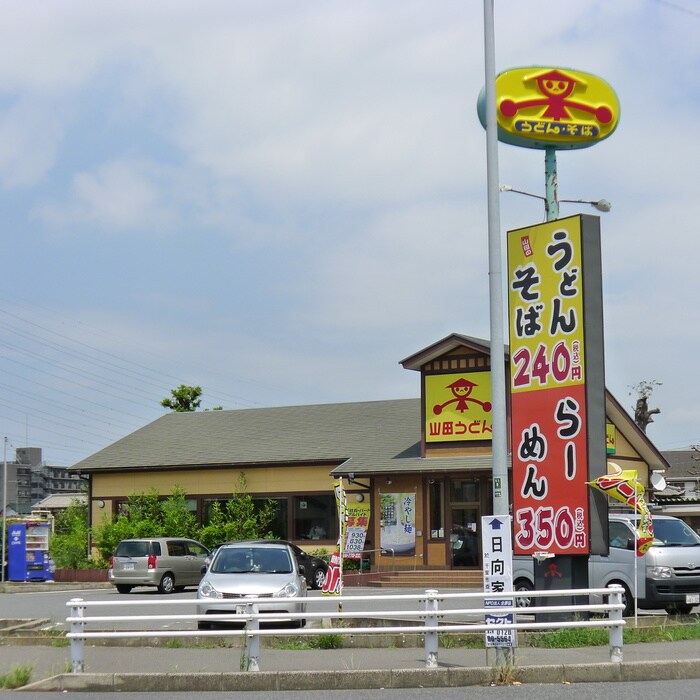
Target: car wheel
[[679, 609], [627, 599], [167, 584], [522, 585], [123, 588], [318, 578], [204, 625]]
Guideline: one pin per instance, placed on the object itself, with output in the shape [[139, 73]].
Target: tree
[[68, 546], [183, 399], [642, 413], [239, 518]]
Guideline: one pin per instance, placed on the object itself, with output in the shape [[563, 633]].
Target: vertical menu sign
[[548, 375]]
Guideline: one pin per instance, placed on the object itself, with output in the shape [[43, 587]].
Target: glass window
[[207, 505], [176, 549], [464, 491], [437, 510], [196, 550], [279, 525], [315, 518], [619, 535]]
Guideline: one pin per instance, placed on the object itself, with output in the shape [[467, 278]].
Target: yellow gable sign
[[458, 407]]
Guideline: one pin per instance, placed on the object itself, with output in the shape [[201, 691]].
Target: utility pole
[[4, 509]]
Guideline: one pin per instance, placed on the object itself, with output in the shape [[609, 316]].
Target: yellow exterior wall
[[268, 480], [626, 457]]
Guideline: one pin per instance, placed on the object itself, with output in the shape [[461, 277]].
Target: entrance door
[[465, 522]]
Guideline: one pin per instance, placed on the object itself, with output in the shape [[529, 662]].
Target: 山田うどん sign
[[547, 107]]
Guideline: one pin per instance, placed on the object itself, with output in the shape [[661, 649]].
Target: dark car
[[314, 567]]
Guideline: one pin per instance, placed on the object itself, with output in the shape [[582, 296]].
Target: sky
[[280, 200]]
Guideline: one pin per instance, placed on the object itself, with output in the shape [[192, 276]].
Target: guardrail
[[436, 620]]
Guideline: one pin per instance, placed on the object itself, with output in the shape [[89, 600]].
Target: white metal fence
[[431, 619]]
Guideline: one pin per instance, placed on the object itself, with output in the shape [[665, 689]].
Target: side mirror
[[203, 570]]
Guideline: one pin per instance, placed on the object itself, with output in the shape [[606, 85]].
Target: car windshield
[[248, 560], [674, 533]]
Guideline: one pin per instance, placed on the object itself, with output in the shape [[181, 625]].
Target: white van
[[668, 575]]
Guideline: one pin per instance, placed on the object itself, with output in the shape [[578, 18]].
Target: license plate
[[692, 598], [129, 566]]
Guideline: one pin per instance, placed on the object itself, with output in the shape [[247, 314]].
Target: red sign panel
[[549, 402]]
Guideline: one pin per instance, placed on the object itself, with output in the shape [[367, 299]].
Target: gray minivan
[[169, 563], [667, 576]]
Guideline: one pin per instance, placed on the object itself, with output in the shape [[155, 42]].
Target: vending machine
[[28, 551]]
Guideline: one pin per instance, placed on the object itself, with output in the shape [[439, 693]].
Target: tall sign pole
[[498, 368], [499, 442], [551, 201]]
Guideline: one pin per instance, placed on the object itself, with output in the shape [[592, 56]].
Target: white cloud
[[30, 133], [319, 171], [124, 195]]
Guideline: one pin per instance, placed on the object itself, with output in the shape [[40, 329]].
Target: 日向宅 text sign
[[549, 321]]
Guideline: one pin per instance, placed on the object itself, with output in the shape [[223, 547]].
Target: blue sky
[[280, 200]]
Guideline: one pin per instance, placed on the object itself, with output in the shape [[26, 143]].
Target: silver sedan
[[241, 571]]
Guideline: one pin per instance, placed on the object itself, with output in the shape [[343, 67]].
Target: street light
[[599, 204]]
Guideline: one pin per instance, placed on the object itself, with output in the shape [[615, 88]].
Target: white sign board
[[497, 547]]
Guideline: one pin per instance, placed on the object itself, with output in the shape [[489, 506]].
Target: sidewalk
[[188, 669]]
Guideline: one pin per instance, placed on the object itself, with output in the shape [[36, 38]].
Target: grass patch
[[294, 645], [16, 677], [322, 641], [569, 637], [462, 641], [173, 644], [505, 674], [327, 641], [593, 637]]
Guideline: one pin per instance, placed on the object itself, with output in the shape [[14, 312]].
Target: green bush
[[68, 545], [148, 515]]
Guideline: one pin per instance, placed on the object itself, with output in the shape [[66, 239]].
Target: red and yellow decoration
[[623, 485]]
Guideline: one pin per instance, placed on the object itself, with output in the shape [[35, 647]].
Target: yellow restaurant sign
[[546, 107], [458, 407], [610, 439]]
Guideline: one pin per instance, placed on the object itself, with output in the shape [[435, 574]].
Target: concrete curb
[[364, 679]]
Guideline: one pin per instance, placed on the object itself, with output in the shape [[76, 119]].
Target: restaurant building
[[417, 472]]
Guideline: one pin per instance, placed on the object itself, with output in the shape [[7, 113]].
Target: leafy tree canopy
[[183, 399]]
